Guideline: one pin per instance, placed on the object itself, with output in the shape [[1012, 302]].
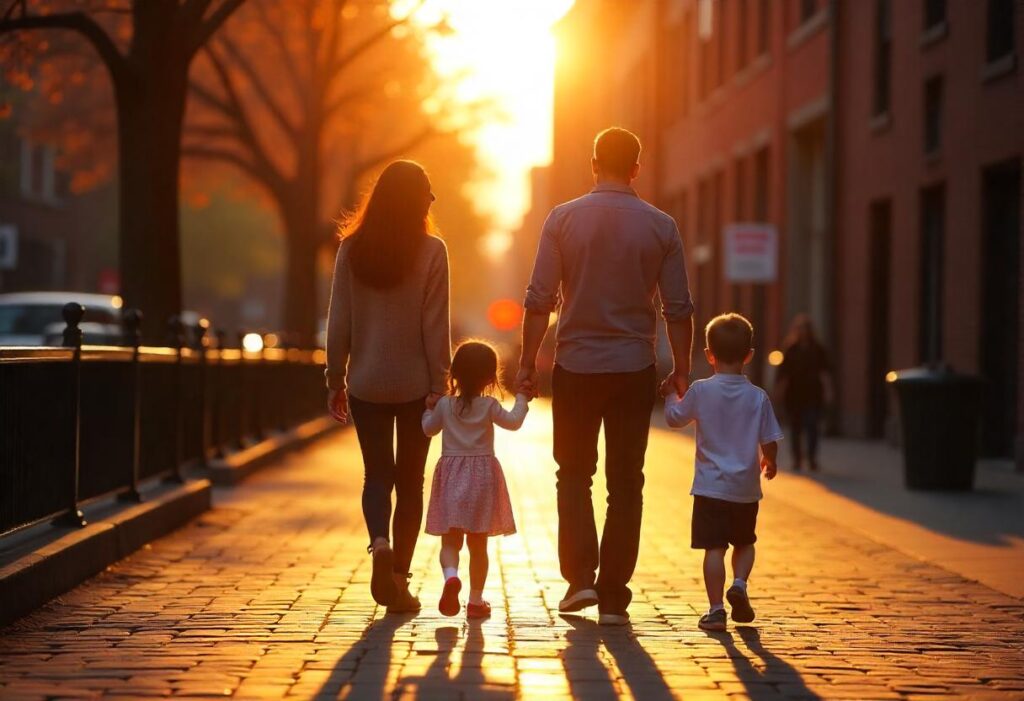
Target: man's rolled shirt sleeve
[[673, 283], [542, 295]]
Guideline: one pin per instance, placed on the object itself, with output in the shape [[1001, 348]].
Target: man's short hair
[[616, 151], [730, 337]]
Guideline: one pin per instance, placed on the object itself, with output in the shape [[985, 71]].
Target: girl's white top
[[471, 430]]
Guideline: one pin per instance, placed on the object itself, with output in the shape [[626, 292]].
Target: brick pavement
[[267, 596]]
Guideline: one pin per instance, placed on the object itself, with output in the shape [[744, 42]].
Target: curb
[[239, 465], [59, 565]]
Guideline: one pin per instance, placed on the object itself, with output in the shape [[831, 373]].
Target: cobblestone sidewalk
[[267, 596]]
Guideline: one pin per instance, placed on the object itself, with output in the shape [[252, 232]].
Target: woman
[[805, 387], [388, 353]]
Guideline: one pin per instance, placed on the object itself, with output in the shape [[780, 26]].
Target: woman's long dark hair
[[474, 372], [389, 226]]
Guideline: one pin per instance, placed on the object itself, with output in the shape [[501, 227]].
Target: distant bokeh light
[[775, 358], [505, 314], [252, 342]]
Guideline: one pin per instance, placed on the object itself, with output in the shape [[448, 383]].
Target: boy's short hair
[[617, 150], [730, 337]]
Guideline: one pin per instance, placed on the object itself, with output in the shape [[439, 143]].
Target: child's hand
[[666, 388], [769, 468], [527, 390]]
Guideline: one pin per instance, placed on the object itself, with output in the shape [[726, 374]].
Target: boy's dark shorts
[[718, 523]]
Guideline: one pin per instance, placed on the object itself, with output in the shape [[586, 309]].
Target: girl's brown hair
[[475, 372], [390, 225]]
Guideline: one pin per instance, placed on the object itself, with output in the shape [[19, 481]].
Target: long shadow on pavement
[[776, 677], [589, 677], [470, 682], [367, 663]]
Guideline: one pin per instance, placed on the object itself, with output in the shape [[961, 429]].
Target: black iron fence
[[78, 423]]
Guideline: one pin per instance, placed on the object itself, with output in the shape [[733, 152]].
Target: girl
[[468, 497], [388, 352]]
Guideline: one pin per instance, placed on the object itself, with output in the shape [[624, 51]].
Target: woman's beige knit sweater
[[393, 345]]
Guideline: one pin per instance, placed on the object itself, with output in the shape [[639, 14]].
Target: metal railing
[[81, 422]]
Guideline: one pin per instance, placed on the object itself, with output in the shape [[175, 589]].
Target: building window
[[740, 190], [933, 89], [741, 34], [999, 41], [883, 56], [762, 182], [764, 27], [933, 234], [719, 39], [934, 13]]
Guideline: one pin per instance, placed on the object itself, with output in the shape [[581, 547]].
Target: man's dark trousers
[[580, 403]]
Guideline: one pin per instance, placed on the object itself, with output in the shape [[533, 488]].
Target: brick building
[[882, 139]]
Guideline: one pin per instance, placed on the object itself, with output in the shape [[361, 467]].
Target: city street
[[267, 596]]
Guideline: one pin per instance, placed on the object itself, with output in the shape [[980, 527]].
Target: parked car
[[36, 319]]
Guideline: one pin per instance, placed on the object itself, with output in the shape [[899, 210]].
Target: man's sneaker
[[449, 604], [742, 612], [714, 621], [578, 600], [613, 619], [382, 580]]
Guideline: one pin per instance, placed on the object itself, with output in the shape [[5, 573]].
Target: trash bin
[[939, 412]]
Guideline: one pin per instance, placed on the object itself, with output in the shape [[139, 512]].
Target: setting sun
[[503, 53]]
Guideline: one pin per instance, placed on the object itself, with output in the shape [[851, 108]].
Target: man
[[602, 257]]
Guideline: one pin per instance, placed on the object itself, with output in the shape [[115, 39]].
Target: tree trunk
[[150, 256], [151, 109], [302, 243]]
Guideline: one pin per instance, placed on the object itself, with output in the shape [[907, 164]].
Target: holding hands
[[526, 382], [676, 382]]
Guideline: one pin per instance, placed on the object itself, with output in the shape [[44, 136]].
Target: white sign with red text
[[751, 253]]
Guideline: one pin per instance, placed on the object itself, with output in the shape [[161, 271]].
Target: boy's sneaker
[[577, 600], [449, 604], [713, 620], [742, 612]]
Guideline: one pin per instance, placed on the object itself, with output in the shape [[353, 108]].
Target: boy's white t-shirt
[[733, 417]]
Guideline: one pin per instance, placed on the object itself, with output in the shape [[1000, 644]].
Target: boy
[[733, 418]]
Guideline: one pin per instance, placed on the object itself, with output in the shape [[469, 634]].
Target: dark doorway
[[1001, 195], [880, 236]]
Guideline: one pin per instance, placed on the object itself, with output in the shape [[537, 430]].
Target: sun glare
[[503, 52]]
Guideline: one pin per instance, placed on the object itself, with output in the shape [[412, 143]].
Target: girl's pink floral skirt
[[469, 494]]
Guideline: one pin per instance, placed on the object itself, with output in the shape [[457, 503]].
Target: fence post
[[133, 337], [218, 408], [175, 340], [201, 327], [72, 314]]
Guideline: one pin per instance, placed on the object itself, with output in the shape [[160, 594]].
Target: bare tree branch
[[233, 158], [234, 109], [274, 31], [243, 63], [213, 22], [76, 22]]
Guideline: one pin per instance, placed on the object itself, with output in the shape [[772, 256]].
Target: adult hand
[[526, 381], [432, 399], [769, 468], [677, 382], [337, 405]]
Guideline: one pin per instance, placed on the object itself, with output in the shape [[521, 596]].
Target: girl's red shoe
[[449, 604], [481, 610]]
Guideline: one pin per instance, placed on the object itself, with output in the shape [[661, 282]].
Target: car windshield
[[33, 319]]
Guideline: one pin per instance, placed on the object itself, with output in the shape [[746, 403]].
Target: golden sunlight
[[502, 52]]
